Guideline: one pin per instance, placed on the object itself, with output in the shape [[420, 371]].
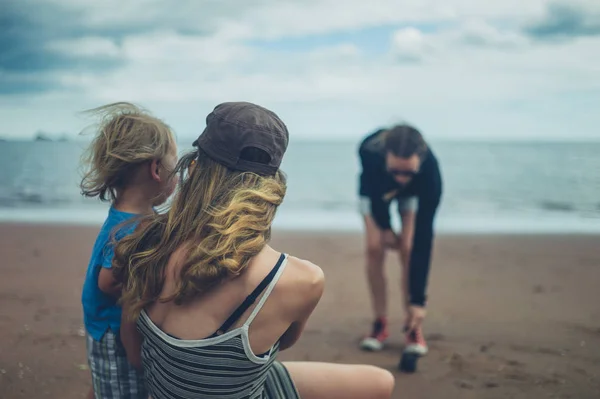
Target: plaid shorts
[[113, 377]]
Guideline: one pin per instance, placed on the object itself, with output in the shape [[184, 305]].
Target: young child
[[129, 164]]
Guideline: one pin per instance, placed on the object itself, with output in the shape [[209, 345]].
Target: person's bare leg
[[375, 257], [90, 394], [315, 380]]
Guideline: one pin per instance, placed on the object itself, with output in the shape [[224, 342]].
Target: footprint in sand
[[514, 363], [464, 385], [457, 362], [538, 350], [539, 289], [41, 313], [490, 385], [486, 347], [435, 337]]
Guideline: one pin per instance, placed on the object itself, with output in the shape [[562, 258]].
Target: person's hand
[[416, 315], [390, 239]]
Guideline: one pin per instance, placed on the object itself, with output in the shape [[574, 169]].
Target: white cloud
[[409, 44], [195, 15], [86, 47], [274, 19], [481, 33], [476, 76], [319, 16]]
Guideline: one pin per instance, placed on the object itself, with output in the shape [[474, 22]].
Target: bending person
[[397, 164]]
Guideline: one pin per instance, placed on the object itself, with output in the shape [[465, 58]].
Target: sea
[[499, 187]]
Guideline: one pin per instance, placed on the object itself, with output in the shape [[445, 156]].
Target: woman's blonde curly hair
[[221, 217]]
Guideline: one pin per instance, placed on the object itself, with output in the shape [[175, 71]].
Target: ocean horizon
[[489, 187]]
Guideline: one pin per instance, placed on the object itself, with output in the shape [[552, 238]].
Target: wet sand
[[509, 316]]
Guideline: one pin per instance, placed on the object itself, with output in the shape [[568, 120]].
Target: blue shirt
[[101, 311]]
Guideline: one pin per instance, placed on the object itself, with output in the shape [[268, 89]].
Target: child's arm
[[106, 279], [132, 341], [107, 283]]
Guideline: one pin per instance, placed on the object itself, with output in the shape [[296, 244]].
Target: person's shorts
[[405, 204], [113, 377]]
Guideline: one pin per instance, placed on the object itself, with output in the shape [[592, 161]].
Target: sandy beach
[[509, 316]]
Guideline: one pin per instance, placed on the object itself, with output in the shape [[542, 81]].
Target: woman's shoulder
[[305, 271], [300, 287], [300, 279]]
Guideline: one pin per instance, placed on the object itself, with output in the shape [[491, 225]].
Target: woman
[[213, 301]]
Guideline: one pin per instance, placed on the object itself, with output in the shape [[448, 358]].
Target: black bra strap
[[250, 299]]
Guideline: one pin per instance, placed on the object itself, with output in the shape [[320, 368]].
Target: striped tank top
[[220, 366]]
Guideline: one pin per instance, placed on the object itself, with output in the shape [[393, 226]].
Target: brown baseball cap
[[233, 127]]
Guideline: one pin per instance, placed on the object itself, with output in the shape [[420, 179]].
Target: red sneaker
[[415, 342], [376, 340]]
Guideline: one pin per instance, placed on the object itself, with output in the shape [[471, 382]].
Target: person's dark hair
[[404, 141]]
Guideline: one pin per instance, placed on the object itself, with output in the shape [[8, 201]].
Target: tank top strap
[[281, 264], [266, 286]]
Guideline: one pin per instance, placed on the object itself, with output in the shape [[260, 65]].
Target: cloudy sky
[[331, 68]]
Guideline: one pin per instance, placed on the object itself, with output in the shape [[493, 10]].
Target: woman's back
[[224, 343]]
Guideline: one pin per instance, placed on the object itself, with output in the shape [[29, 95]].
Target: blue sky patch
[[371, 41]]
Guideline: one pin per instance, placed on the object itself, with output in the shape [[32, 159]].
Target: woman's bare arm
[[131, 340], [308, 289]]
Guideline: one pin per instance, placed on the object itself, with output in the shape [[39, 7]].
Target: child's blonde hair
[[126, 137]]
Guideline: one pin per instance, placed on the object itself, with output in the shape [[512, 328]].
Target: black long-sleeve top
[[376, 182]]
